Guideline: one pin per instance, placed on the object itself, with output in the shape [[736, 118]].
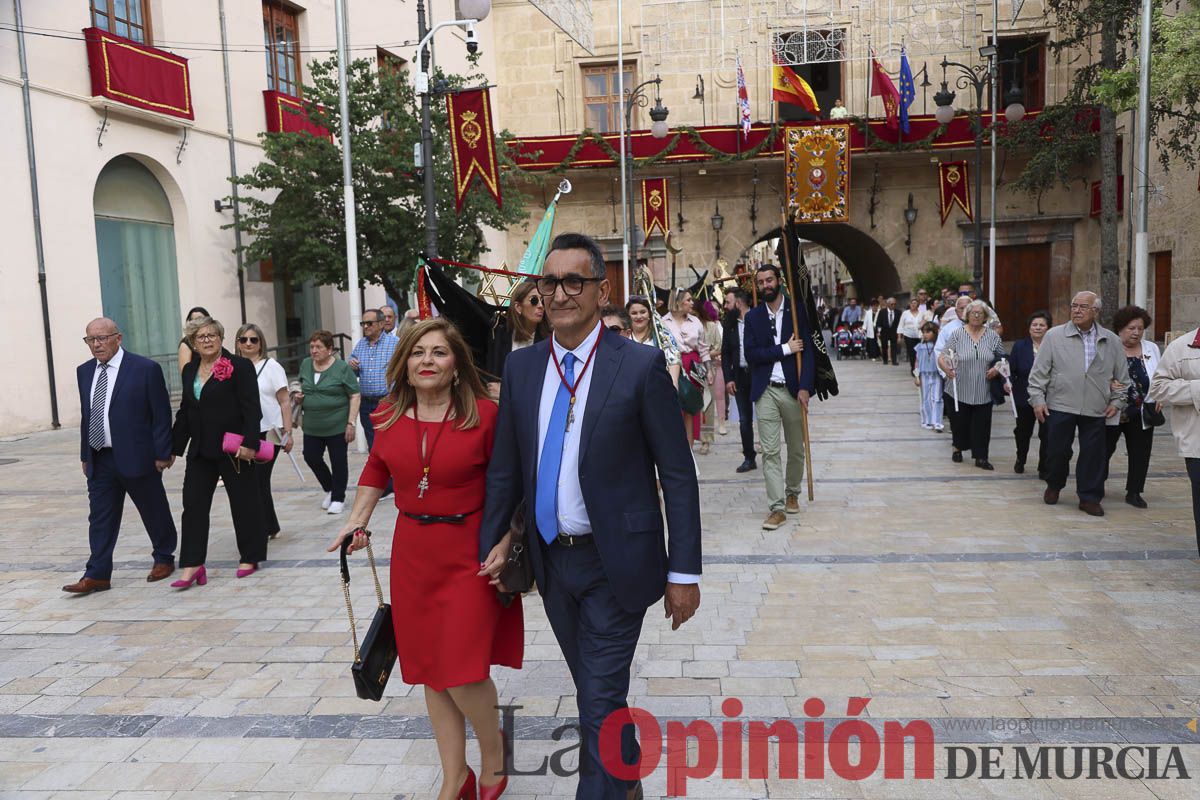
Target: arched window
[[135, 240]]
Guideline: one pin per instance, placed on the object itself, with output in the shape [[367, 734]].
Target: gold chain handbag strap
[[346, 583]]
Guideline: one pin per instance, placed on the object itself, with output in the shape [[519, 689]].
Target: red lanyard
[[426, 456], [578, 379]]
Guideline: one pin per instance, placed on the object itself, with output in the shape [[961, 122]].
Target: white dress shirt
[[777, 320], [573, 517], [742, 343], [114, 364]]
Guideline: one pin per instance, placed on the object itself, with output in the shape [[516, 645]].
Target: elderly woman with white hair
[[976, 348]]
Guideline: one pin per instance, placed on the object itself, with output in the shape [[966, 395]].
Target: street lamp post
[[658, 129], [979, 78]]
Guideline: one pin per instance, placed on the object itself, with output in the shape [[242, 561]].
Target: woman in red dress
[[433, 439]]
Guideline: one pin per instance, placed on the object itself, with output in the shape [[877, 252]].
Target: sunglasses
[[248, 340], [615, 328], [534, 300], [367, 322]]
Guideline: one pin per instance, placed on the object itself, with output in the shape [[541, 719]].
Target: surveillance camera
[[472, 40]]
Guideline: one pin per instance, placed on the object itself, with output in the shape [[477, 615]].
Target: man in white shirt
[[586, 419]]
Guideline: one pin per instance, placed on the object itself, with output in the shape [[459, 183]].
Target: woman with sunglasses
[[276, 425], [520, 325]]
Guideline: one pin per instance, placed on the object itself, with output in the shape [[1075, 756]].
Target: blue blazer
[[1020, 360], [762, 351], [139, 415], [631, 424]]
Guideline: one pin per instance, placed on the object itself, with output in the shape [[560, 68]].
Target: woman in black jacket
[[1021, 362], [220, 396], [520, 325]]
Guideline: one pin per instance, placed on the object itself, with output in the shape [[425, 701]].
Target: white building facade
[[127, 195]]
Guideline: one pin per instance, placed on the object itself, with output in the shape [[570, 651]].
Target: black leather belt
[[567, 540], [432, 519], [779, 383]]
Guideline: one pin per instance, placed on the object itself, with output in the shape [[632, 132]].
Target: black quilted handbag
[[375, 658]]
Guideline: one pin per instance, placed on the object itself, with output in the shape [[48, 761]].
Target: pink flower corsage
[[223, 369]]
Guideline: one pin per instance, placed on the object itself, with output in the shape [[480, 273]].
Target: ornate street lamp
[[718, 222], [910, 219], [659, 130]]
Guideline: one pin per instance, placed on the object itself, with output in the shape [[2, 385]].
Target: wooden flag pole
[[787, 271]]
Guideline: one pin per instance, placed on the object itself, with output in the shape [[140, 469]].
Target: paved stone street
[[936, 590]]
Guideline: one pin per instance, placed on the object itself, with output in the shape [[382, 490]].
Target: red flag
[[472, 143], [954, 188], [656, 212], [882, 87]]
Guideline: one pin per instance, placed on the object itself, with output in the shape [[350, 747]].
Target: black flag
[[800, 283]]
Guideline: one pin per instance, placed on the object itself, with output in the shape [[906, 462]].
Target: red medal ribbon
[[578, 378]]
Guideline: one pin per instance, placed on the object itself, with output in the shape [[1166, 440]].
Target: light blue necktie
[[546, 506]]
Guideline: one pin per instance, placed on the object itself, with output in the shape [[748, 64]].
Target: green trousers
[[779, 417]]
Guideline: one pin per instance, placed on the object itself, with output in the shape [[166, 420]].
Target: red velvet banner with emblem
[[656, 212], [954, 188], [472, 143], [137, 75], [286, 114]]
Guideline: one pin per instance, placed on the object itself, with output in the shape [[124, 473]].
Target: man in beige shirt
[[1176, 386], [1078, 380]]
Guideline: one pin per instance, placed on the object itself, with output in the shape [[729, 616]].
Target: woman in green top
[[329, 394]]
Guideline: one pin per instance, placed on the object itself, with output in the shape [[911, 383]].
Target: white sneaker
[[927, 426], [336, 508], [938, 428], [328, 499]]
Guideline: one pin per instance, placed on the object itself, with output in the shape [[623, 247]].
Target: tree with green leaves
[[1066, 137], [938, 277], [293, 211]]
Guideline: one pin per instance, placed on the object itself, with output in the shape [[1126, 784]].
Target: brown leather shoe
[[160, 571], [793, 504], [1088, 507], [774, 520], [87, 585], [1050, 497]]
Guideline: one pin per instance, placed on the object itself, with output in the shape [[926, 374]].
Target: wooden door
[[1162, 293], [1022, 285], [616, 282]]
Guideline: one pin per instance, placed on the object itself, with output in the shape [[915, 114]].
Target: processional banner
[[817, 166]]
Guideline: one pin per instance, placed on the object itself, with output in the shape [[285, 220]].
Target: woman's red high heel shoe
[[494, 792], [200, 577], [467, 791]]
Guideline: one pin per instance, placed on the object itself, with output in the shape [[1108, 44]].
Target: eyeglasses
[[615, 328], [91, 340], [1081, 306], [367, 322], [248, 339], [572, 285], [206, 337]]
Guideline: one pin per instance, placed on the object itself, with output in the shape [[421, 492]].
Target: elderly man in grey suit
[[1078, 380]]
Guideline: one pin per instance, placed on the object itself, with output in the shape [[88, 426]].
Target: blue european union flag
[[908, 90]]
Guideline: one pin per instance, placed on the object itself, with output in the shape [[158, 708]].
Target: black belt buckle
[[567, 540], [433, 519], [779, 383]]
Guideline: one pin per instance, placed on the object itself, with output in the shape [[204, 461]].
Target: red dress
[[450, 626]]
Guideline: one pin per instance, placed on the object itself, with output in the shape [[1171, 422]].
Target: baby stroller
[[858, 341], [843, 341]]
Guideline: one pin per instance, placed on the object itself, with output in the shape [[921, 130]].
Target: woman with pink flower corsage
[[220, 396]]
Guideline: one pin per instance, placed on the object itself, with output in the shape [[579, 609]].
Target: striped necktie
[[99, 394]]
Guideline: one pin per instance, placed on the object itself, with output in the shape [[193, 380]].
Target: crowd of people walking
[[577, 467]]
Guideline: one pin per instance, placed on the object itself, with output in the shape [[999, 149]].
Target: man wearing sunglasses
[[586, 418], [369, 360]]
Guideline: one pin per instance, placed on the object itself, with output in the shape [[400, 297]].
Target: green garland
[[693, 135], [876, 144]]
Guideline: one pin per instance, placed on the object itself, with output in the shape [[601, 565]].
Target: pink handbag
[[232, 441]]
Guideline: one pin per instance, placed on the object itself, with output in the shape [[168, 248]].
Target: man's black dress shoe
[[747, 465], [956, 457], [984, 464], [1135, 500]]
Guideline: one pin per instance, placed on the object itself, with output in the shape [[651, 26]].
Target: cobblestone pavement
[[939, 591]]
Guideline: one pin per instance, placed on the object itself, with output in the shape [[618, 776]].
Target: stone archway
[[869, 264]]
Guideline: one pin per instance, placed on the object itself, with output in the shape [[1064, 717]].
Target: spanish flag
[[788, 87]]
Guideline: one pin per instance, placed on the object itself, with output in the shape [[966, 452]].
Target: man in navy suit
[[737, 371], [124, 445], [585, 419], [778, 389]]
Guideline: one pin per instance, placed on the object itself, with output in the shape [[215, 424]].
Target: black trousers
[[263, 474], [976, 423], [598, 639], [1138, 445], [241, 486], [1023, 433], [960, 437], [887, 344], [910, 345], [1091, 464], [745, 410], [1193, 471], [872, 347], [333, 481], [106, 502]]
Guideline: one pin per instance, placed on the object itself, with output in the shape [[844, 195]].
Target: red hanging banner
[[656, 206], [472, 143], [138, 75], [954, 188]]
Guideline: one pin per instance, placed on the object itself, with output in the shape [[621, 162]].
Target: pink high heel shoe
[[201, 577], [243, 572]]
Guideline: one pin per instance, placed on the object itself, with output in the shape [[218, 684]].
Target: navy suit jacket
[[139, 415], [631, 424], [762, 351], [1021, 362]]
